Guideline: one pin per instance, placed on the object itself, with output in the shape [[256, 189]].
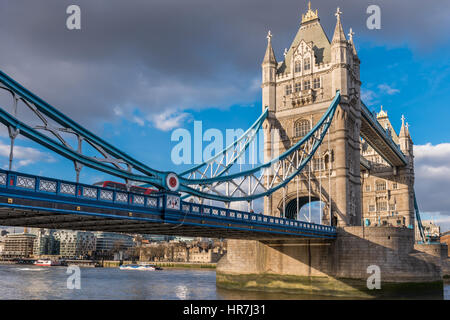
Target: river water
[[32, 282]]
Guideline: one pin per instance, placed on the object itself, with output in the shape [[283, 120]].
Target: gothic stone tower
[[387, 192], [297, 92]]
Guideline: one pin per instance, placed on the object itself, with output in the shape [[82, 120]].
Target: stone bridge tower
[[297, 91]]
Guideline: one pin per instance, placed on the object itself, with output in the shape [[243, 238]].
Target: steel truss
[[267, 178]]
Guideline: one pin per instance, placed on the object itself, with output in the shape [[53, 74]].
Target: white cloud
[[432, 181], [24, 155], [388, 89], [139, 121], [368, 96], [169, 120]]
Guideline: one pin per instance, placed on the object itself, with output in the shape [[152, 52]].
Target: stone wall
[[339, 264]]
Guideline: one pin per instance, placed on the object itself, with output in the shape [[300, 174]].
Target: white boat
[[47, 263], [143, 267]]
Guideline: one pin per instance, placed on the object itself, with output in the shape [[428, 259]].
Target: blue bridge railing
[[168, 203]]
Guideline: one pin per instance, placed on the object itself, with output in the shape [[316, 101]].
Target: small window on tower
[[298, 66], [301, 128], [382, 206], [288, 89], [316, 83], [306, 85], [307, 64], [381, 185]]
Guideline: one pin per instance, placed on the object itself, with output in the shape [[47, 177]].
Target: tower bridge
[[331, 149]]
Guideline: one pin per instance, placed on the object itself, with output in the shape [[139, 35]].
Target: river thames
[[31, 282]]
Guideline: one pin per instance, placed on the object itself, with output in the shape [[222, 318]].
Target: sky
[[138, 70]]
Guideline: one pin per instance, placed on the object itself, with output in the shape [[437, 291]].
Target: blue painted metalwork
[[220, 158], [17, 90], [419, 220], [313, 139], [150, 176], [372, 120], [25, 186], [71, 154]]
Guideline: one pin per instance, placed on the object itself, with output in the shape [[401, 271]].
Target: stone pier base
[[336, 268]]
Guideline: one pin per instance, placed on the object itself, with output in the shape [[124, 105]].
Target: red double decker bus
[[123, 187]]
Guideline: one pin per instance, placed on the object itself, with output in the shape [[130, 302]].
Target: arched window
[[301, 128]]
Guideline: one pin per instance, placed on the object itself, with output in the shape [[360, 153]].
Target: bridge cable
[[329, 176], [320, 183]]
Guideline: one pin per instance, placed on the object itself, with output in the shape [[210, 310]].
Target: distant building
[[109, 243], [45, 243], [155, 238], [182, 239], [205, 251], [200, 255], [18, 245], [74, 244]]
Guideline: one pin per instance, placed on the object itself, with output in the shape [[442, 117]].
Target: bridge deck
[[378, 139], [27, 200]]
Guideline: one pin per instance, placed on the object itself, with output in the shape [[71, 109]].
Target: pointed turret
[[350, 40], [403, 128], [269, 68], [339, 35], [340, 58], [405, 139], [269, 57]]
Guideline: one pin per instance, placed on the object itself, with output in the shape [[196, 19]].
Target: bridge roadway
[[33, 201], [379, 140]]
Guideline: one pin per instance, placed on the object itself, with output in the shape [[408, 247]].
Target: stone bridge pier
[[339, 268], [365, 181]]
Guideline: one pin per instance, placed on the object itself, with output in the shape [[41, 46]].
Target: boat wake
[[31, 269]]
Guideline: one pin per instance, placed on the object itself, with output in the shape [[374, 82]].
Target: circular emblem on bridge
[[172, 182]]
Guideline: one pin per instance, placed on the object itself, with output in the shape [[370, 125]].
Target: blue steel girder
[[220, 163], [378, 139], [28, 200], [266, 178], [113, 157]]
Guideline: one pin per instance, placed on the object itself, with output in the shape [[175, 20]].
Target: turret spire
[[338, 30], [310, 15], [403, 128], [269, 57]]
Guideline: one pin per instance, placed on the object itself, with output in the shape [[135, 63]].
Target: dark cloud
[[165, 55]]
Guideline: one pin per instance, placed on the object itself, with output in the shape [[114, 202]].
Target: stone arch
[[291, 204]]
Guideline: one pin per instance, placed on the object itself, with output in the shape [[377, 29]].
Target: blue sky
[[135, 92]]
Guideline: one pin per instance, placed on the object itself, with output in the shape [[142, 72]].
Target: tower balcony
[[303, 97]]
